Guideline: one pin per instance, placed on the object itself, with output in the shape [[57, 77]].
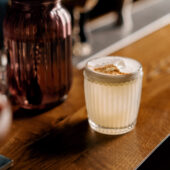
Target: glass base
[[44, 106], [111, 131]]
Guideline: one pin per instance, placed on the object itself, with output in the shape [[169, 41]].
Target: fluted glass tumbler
[[112, 93]]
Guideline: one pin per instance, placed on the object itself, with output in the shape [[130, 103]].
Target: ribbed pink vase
[[38, 40]]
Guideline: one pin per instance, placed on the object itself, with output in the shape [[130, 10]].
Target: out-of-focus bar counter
[[62, 139]]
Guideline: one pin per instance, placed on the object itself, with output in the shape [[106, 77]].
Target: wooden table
[[62, 139]]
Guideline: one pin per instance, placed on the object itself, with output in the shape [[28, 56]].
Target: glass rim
[[94, 75]]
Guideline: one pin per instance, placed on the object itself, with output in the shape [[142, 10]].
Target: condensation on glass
[[38, 41]]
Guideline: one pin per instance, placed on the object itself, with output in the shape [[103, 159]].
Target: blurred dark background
[[99, 8], [3, 7], [94, 31]]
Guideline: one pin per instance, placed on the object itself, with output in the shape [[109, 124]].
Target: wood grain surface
[[62, 139]]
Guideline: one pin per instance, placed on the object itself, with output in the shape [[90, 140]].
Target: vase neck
[[35, 2], [27, 5]]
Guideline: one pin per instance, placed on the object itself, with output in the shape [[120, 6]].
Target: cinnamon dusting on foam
[[109, 69]]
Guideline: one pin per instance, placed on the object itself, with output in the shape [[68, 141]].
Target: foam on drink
[[125, 65]]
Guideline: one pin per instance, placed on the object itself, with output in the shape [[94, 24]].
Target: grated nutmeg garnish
[[109, 69]]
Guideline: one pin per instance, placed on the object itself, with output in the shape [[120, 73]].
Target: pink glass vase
[[37, 37]]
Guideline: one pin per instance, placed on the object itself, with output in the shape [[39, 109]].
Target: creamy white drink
[[112, 92]]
